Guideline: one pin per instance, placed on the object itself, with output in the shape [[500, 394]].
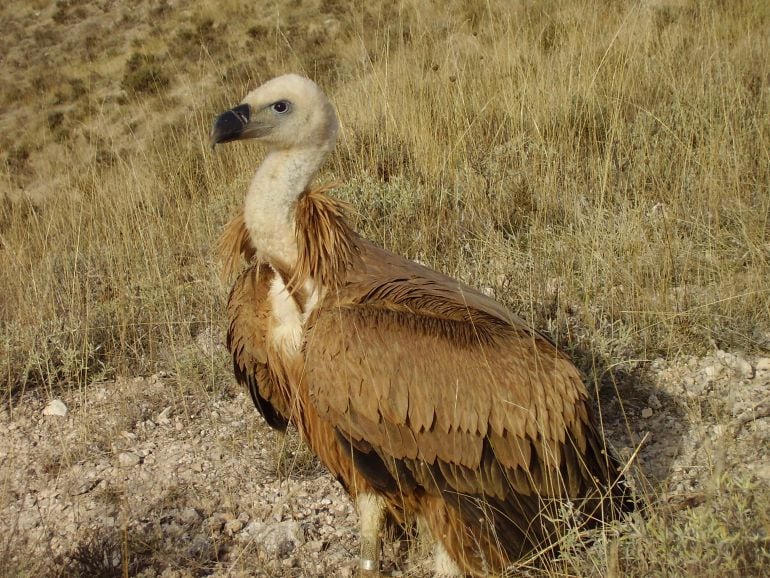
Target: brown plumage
[[234, 247], [447, 402], [410, 385], [273, 378], [448, 397]]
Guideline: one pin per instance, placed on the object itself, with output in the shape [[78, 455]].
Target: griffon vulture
[[421, 394]]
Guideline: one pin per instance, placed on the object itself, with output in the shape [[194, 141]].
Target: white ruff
[[288, 320]]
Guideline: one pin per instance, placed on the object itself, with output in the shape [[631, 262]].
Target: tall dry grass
[[604, 169], [609, 164]]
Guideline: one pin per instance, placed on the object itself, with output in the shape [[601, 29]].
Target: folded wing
[[438, 389]]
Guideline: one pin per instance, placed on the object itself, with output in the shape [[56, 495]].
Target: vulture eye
[[281, 107]]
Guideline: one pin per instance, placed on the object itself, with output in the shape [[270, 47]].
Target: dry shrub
[[144, 73]]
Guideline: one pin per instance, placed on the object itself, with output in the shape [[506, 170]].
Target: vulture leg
[[371, 513], [443, 564]]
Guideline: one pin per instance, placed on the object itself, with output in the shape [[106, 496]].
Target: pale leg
[[371, 513], [443, 565]]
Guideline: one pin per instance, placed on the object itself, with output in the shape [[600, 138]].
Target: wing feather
[[454, 394], [248, 312], [401, 346]]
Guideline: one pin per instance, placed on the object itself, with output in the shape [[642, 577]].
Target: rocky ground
[[188, 483]]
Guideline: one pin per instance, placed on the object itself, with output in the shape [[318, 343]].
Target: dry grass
[[605, 170]]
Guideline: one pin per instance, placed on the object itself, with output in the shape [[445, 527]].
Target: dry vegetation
[[604, 169]]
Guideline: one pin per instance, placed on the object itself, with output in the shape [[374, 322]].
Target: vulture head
[[286, 112]]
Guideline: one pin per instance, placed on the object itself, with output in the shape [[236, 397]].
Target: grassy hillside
[[602, 168]]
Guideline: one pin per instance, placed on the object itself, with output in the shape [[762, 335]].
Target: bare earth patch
[[193, 489], [133, 476]]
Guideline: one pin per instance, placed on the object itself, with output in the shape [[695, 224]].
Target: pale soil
[[190, 484]]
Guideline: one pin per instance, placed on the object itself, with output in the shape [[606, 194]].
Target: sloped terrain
[[602, 169]]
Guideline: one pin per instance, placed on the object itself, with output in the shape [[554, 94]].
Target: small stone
[[163, 417], [315, 546], [28, 520], [85, 487], [189, 516], [56, 407], [277, 513], [216, 522], [763, 364], [278, 540], [695, 387], [712, 371], [289, 562], [128, 459], [233, 527], [647, 413], [736, 363], [216, 454]]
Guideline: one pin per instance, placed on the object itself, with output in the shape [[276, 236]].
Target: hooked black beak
[[230, 125]]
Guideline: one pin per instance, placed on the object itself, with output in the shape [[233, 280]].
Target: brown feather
[[234, 244], [274, 379], [247, 336], [396, 344], [472, 414], [325, 242]]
